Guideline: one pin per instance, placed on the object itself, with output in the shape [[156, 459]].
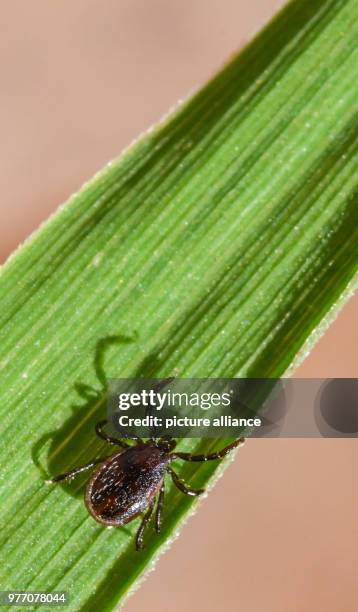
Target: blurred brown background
[[79, 80]]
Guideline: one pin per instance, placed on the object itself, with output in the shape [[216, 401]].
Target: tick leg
[[102, 434], [182, 486], [142, 526], [76, 471], [158, 513], [217, 455]]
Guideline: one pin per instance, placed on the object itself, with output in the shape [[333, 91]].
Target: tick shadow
[[76, 443]]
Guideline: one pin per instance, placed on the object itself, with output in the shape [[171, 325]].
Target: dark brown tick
[[128, 483]]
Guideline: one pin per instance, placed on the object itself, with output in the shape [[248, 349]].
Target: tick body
[[126, 484], [131, 482]]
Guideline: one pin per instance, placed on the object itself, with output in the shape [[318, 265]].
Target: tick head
[[166, 444]]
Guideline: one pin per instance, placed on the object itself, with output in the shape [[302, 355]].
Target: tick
[[130, 482]]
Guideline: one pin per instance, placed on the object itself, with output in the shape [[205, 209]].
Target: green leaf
[[220, 244]]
